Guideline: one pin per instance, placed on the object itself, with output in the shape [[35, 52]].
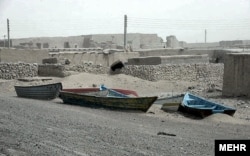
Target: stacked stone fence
[[54, 70], [88, 68], [208, 72], [18, 70], [186, 72]]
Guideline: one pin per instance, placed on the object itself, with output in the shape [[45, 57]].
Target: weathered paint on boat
[[170, 103], [102, 93], [44, 92], [86, 90], [170, 100], [132, 103], [113, 93], [201, 107]]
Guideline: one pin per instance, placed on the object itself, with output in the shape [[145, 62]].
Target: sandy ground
[[37, 127]]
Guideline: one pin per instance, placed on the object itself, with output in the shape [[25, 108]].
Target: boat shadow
[[184, 114], [99, 107], [190, 116]]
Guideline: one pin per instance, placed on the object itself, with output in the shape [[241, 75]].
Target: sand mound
[[87, 80], [220, 117], [143, 87]]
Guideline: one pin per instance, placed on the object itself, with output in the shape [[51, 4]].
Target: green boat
[[112, 102]]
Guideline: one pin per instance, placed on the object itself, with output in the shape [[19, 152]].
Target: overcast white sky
[[186, 19]]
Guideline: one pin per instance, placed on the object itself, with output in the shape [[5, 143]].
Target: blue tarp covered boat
[[199, 106]]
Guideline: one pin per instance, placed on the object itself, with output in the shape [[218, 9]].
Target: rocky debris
[[191, 87], [55, 70], [187, 72], [150, 112], [203, 73], [18, 70], [67, 61], [89, 68], [164, 133], [207, 77]]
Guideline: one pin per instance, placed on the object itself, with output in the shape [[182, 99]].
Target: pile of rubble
[[18, 70]]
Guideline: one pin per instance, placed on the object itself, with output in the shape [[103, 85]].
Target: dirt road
[[35, 127]]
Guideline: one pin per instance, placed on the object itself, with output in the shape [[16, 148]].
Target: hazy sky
[[186, 19]]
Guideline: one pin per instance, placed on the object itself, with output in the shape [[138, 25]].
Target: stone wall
[[55, 70], [187, 72], [50, 61], [144, 60], [17, 70], [96, 58], [103, 58], [184, 59], [89, 68], [174, 59]]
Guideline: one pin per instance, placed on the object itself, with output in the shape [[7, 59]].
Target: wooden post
[[125, 32], [8, 29]]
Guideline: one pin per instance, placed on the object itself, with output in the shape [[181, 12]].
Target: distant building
[[105, 41], [172, 42], [183, 44], [230, 43], [4, 43]]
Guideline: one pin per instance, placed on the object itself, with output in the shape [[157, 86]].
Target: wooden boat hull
[[133, 103], [202, 112], [86, 90], [113, 93], [170, 103], [201, 107], [43, 92]]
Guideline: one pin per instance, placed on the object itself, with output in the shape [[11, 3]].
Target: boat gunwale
[[210, 101], [78, 90], [39, 92], [109, 97], [204, 111], [36, 86], [65, 96]]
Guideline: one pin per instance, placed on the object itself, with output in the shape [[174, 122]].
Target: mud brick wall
[[236, 81]]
